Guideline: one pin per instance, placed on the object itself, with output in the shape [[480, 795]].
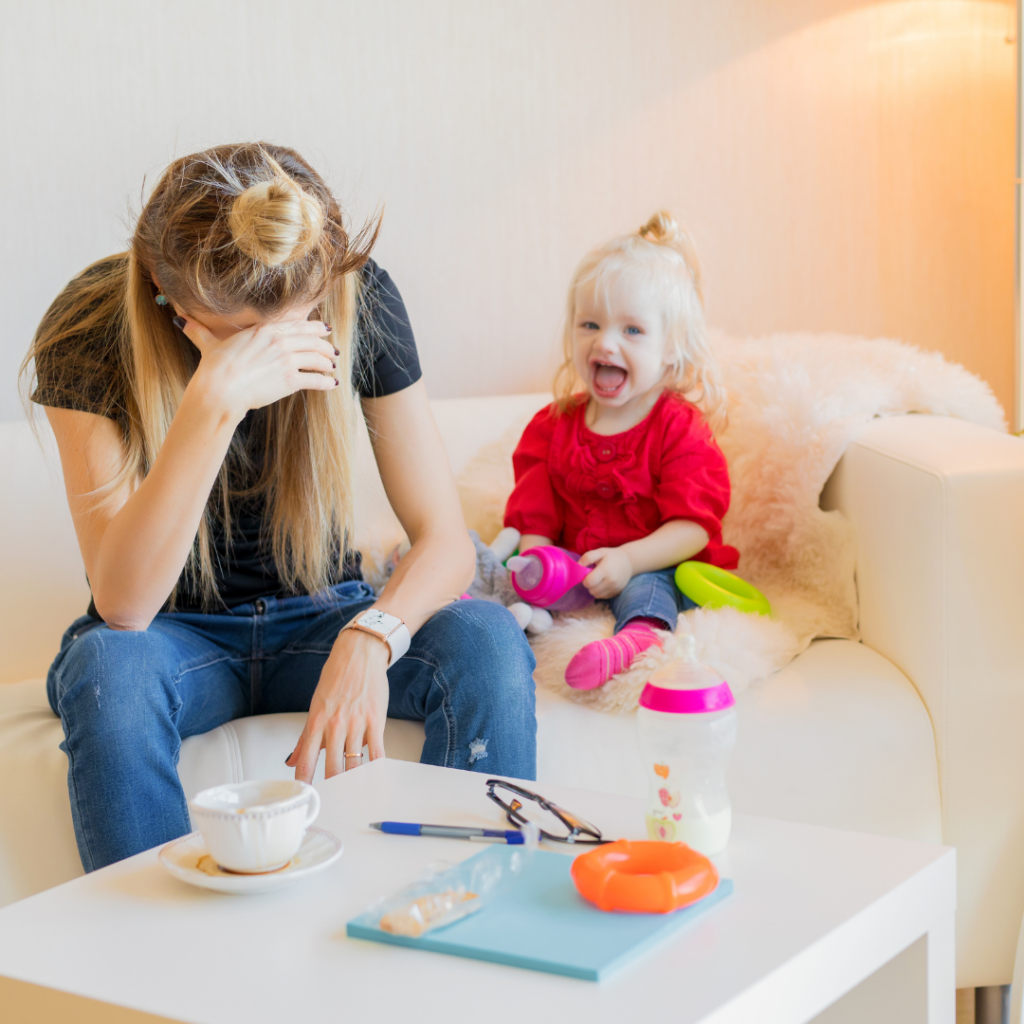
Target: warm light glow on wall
[[867, 160], [1018, 424]]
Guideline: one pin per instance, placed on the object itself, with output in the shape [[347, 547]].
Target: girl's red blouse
[[585, 490]]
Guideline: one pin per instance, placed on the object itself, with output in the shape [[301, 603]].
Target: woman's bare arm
[[350, 705], [136, 547], [418, 480]]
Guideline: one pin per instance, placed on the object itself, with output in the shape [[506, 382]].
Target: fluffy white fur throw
[[795, 402]]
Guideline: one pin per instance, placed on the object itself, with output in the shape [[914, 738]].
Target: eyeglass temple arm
[[567, 818]]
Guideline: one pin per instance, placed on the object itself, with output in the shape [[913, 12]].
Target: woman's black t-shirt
[[385, 361]]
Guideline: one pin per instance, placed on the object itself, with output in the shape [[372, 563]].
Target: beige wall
[[844, 165]]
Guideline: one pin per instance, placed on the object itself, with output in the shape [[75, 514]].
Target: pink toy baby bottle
[[551, 578], [687, 729]]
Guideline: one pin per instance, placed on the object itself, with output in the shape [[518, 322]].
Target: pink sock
[[601, 659]]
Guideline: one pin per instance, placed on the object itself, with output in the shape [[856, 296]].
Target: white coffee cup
[[251, 827]]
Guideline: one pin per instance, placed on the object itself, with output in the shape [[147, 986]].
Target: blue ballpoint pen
[[479, 835]]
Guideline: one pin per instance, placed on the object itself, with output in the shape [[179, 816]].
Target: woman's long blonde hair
[[663, 253], [250, 227]]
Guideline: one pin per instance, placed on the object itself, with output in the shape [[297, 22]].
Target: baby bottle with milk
[[687, 726]]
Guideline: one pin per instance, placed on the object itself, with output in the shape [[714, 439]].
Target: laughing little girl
[[626, 472]]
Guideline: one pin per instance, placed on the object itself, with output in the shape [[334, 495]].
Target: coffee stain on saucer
[[205, 863]]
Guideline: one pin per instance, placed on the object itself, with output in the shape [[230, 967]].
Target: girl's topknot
[[663, 229]]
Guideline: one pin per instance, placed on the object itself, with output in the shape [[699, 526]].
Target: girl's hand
[[349, 707], [260, 365], [612, 570]]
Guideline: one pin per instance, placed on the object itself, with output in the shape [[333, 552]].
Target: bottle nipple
[[685, 671], [688, 649], [527, 569]]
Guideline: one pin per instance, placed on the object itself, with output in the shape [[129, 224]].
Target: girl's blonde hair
[[663, 253], [251, 227]]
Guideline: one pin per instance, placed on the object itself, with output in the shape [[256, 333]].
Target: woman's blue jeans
[[127, 699]]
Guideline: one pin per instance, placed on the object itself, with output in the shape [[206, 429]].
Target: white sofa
[[915, 732]]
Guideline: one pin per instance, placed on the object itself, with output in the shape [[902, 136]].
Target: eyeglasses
[[554, 822]]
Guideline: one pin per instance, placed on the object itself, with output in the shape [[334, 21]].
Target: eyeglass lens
[[524, 807]]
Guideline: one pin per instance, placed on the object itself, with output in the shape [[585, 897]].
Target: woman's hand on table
[[350, 704], [349, 707]]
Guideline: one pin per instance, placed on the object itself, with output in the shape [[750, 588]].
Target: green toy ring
[[712, 587]]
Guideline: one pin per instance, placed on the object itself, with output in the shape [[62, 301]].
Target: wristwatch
[[389, 628]]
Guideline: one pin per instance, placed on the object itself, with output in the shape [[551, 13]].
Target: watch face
[[379, 621]]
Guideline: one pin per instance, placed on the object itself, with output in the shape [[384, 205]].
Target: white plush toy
[[492, 581]]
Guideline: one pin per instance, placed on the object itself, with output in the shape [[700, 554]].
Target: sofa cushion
[[37, 840], [838, 738], [45, 588]]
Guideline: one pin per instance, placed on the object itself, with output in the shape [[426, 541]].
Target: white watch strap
[[399, 641]]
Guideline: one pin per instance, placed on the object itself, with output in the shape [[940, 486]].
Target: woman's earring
[[161, 300]]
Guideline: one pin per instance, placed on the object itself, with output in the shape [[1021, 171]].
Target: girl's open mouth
[[608, 380]]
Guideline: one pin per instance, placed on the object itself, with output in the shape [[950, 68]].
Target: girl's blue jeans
[[127, 699], [650, 595]]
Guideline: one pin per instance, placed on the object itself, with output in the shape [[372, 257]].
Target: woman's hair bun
[[275, 221], [661, 228]]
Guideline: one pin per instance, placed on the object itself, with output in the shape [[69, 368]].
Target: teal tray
[[543, 924]]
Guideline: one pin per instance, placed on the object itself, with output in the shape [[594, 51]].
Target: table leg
[[942, 972]]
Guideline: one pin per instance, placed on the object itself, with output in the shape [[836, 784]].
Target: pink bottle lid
[[560, 572], [687, 702]]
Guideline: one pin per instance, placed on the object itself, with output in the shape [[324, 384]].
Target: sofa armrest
[[938, 508]]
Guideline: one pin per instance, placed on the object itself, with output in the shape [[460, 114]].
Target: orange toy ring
[[644, 877]]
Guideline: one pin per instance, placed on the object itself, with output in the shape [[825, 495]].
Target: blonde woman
[[203, 389]]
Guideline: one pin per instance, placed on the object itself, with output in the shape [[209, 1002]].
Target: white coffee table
[[815, 913]]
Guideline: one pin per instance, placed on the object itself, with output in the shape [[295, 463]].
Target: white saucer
[[188, 859]]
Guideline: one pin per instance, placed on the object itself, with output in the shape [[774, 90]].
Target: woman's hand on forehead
[[257, 366]]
